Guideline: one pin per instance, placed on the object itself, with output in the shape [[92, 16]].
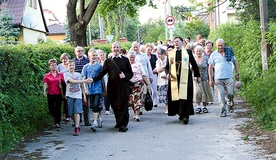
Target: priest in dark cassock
[[119, 73], [180, 65]]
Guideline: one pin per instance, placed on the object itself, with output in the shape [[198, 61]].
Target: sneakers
[[67, 119], [94, 127], [230, 109], [107, 113], [76, 131], [223, 113], [230, 105], [100, 123]]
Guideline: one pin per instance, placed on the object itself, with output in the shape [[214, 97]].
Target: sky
[[147, 12], [59, 9], [56, 6]]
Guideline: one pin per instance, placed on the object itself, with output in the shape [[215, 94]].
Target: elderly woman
[[162, 82], [64, 58], [152, 59], [202, 92], [136, 100], [52, 89]]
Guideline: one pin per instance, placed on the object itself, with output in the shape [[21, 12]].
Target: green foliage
[[152, 31], [107, 47], [130, 7], [261, 95], [249, 9], [23, 110], [130, 29], [7, 30], [192, 29], [180, 12], [67, 33]]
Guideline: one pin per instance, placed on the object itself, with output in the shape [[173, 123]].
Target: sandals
[[205, 110], [198, 110]]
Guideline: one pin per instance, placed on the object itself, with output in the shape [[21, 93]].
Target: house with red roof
[[28, 16]]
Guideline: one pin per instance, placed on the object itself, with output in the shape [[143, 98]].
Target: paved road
[[157, 136]]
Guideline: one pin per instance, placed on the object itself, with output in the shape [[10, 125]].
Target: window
[[30, 3], [33, 3]]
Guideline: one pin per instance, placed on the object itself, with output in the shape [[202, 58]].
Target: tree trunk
[[77, 24]]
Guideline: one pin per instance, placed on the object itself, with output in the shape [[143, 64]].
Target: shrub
[[23, 109]]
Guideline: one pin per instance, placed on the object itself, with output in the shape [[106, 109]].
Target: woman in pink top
[[139, 78], [52, 89]]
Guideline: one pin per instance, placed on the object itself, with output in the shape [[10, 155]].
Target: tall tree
[[7, 30], [78, 22], [152, 31]]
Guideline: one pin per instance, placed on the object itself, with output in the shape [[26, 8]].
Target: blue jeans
[[94, 102]]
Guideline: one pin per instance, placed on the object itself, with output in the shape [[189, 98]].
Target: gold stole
[[182, 93]]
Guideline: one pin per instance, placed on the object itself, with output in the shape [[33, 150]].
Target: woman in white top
[[162, 82]]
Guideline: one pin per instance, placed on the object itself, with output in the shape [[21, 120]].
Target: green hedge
[[23, 109]]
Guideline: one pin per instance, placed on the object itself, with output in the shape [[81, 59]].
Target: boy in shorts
[[95, 89], [74, 91]]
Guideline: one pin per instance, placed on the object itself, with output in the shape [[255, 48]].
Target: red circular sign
[[170, 20]]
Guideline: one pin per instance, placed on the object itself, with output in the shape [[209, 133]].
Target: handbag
[[148, 102]]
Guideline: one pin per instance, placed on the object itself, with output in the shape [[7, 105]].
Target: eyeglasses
[[80, 51]]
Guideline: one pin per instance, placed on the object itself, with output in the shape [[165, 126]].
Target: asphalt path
[[156, 137]]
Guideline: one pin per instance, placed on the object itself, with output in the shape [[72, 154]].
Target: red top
[[53, 87]]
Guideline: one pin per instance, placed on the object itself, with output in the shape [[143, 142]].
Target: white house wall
[[224, 13], [37, 12], [31, 36]]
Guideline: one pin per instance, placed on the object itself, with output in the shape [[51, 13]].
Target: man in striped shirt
[[80, 61]]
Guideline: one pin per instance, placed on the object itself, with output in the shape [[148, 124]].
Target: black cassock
[[117, 88], [183, 108]]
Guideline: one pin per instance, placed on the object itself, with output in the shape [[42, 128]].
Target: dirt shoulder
[[252, 132]]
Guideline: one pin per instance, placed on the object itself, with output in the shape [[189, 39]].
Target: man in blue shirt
[[222, 64]]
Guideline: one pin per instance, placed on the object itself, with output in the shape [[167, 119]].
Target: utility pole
[[166, 26], [264, 22], [89, 35], [138, 34], [101, 27], [170, 13]]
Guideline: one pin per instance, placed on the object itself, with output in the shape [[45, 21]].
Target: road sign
[[170, 20]]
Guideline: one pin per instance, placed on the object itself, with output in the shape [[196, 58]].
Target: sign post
[[170, 23], [170, 20]]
